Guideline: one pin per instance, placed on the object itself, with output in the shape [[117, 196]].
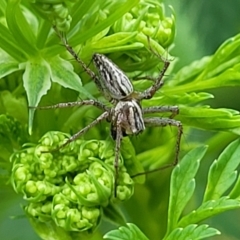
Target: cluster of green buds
[[149, 18], [71, 186], [57, 11], [144, 27]]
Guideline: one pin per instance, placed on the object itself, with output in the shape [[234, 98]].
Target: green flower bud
[[92, 214], [63, 24], [92, 187], [31, 187], [39, 190], [69, 187], [53, 139], [40, 211], [89, 149], [69, 163], [73, 218], [106, 150], [57, 12], [149, 17], [123, 193], [60, 199], [125, 188], [21, 173], [60, 10]]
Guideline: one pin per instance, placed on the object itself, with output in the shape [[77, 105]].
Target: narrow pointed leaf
[[192, 232], [36, 81], [235, 193], [62, 72], [183, 184], [205, 117], [131, 232], [222, 173], [131, 162], [7, 64], [209, 209]]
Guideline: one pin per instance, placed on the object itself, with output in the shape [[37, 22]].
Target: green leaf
[[205, 117], [122, 8], [20, 28], [183, 98], [130, 160], [117, 41], [131, 232], [36, 81], [113, 214], [49, 230], [220, 70], [12, 135], [7, 64], [223, 59], [223, 172], [183, 184], [62, 73], [192, 232], [8, 67], [235, 193], [9, 45], [189, 73], [9, 103], [209, 209]]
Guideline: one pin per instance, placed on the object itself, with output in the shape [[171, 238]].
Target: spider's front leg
[[73, 104], [83, 65], [95, 103], [157, 83], [99, 119]]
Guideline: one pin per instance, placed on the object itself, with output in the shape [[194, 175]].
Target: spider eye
[[112, 79]]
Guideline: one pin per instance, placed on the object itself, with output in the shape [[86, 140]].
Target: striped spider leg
[[162, 122], [114, 85], [99, 119]]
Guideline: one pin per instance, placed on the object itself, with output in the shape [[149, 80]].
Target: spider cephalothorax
[[126, 115]]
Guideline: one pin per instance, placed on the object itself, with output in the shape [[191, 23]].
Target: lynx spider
[[126, 115]]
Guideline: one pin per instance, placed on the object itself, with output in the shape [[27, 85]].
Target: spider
[[126, 115]]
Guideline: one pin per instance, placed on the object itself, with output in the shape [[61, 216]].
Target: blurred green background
[[201, 27]]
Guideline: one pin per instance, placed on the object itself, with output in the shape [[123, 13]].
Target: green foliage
[[69, 192], [68, 188], [183, 226], [129, 232]]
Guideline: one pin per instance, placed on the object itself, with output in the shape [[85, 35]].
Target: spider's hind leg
[[162, 122]]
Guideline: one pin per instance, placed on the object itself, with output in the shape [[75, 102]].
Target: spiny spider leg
[[73, 104], [84, 66], [148, 93], [158, 82], [118, 140], [162, 122], [112, 82], [99, 119], [160, 109]]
